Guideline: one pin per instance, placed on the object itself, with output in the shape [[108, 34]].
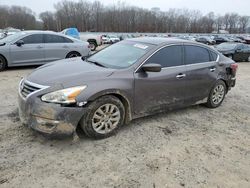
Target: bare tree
[[89, 15]]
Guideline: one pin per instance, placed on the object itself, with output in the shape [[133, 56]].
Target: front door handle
[[212, 69], [39, 47], [179, 76], [65, 46]]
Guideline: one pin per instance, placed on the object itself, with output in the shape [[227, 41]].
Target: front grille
[[27, 89]]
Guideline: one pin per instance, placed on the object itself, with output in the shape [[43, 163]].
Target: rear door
[[202, 72], [156, 91], [56, 47], [31, 52]]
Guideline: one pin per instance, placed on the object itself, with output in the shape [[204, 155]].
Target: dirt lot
[[193, 147]]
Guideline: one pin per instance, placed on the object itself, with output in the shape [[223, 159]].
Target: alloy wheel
[[218, 94], [106, 118]]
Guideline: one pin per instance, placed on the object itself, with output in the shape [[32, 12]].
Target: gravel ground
[[192, 147]]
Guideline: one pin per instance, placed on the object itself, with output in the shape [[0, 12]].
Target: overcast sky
[[218, 6]]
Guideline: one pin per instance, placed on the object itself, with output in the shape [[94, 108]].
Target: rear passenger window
[[33, 39], [56, 39], [214, 56], [168, 57], [196, 54]]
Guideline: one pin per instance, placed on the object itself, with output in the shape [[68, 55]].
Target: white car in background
[[110, 39], [94, 40]]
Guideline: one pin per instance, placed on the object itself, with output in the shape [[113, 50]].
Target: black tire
[[3, 63], [87, 120], [93, 45], [73, 54], [211, 102]]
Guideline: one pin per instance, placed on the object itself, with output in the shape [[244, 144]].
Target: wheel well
[[73, 52], [4, 59], [125, 102], [227, 86], [92, 40], [128, 114]]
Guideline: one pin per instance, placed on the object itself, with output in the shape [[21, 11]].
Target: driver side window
[[33, 39], [168, 57]]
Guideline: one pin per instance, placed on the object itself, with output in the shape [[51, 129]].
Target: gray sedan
[[130, 79], [39, 47]]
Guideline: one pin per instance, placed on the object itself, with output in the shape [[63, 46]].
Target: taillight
[[234, 67]]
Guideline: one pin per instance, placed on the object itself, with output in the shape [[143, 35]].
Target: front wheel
[[216, 95], [103, 117]]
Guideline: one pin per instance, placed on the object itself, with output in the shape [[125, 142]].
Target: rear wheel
[[217, 95], [92, 45], [103, 117], [73, 54], [3, 63]]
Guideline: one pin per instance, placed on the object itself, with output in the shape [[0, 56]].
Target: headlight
[[64, 96]]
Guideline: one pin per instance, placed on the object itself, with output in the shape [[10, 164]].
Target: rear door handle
[[39, 47], [212, 69], [65, 46], [179, 76]]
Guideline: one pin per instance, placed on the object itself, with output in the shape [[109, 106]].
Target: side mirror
[[19, 43], [152, 67]]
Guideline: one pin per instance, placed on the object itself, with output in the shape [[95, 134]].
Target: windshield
[[10, 38], [228, 46], [120, 55]]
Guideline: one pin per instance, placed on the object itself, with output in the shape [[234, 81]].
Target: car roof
[[159, 40], [40, 31]]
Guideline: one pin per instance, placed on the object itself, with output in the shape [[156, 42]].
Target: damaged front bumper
[[47, 118]]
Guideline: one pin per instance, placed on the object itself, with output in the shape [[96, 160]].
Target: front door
[[31, 52], [159, 91]]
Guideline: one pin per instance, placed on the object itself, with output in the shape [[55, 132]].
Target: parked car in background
[[72, 32], [130, 79], [206, 40], [244, 38], [39, 47], [235, 51], [220, 39], [10, 31], [110, 39], [94, 40], [235, 39], [2, 35]]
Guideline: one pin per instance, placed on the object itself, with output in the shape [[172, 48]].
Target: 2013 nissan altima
[[128, 80]]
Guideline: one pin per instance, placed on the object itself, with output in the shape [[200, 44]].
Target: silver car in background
[[39, 47]]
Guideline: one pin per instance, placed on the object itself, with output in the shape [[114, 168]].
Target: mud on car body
[[130, 79]]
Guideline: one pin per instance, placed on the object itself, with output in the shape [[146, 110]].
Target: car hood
[[68, 73]]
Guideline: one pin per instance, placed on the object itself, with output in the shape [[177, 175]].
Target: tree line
[[120, 17]]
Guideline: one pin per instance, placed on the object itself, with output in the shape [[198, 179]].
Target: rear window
[[56, 39], [196, 54], [214, 56]]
